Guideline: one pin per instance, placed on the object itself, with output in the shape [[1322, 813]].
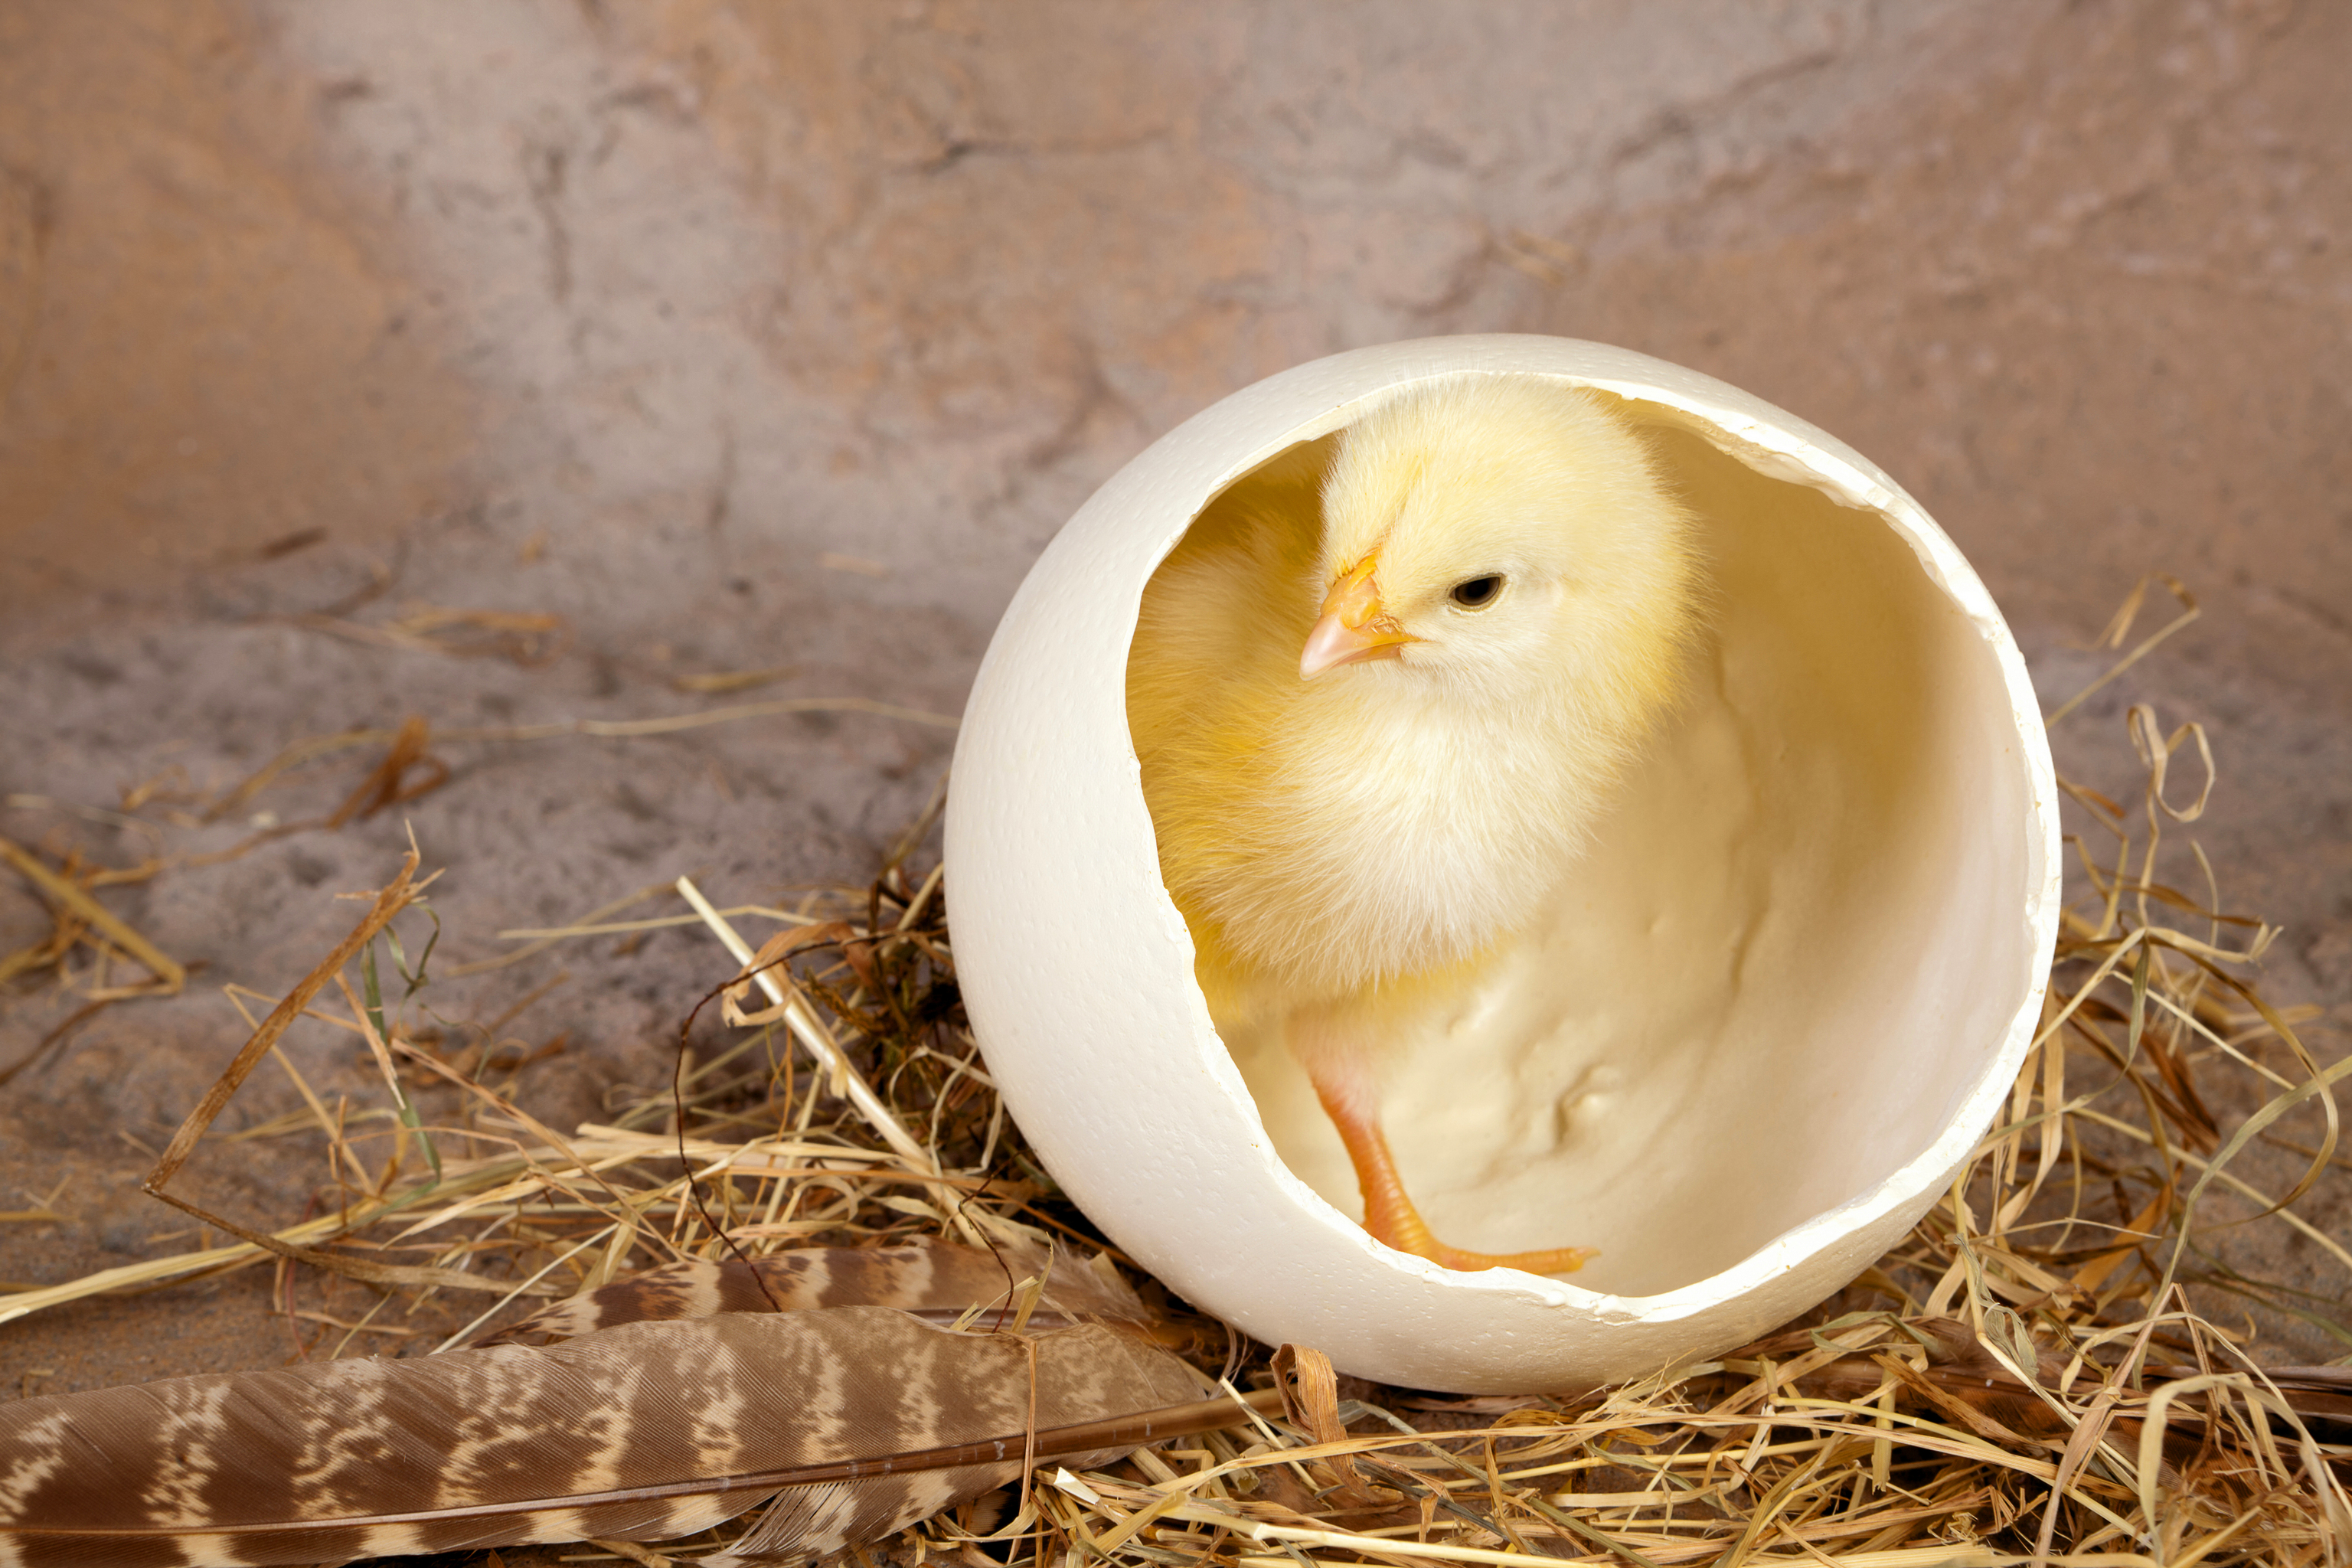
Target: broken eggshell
[[1765, 1022]]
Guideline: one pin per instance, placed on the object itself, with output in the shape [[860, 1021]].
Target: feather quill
[[857, 1421]]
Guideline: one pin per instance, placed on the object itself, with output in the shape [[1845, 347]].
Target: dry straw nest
[[2040, 1372]]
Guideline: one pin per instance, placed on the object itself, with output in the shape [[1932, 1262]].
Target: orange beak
[[1353, 627]]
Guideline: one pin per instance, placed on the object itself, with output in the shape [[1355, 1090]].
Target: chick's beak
[[1354, 627]]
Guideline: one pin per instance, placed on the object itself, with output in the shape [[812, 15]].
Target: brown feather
[[643, 1432], [923, 1275]]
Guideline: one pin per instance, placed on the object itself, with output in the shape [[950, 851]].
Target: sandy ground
[[710, 339]]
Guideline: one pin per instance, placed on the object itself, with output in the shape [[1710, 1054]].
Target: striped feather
[[643, 1432], [922, 1275]]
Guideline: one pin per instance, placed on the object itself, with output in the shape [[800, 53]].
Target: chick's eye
[[1477, 593]]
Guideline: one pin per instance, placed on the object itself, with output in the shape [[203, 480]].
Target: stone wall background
[[750, 336]]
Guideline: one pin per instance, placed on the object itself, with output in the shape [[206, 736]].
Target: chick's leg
[[1341, 1069]]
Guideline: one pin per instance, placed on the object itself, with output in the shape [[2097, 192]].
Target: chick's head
[[1507, 539]]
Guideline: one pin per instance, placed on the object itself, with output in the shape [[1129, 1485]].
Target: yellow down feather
[[1385, 823]]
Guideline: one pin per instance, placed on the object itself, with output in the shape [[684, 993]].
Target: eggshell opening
[[1764, 1022]]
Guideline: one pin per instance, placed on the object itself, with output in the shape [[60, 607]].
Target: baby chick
[[1375, 732]]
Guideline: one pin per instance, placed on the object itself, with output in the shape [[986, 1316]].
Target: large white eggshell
[[1777, 1005]]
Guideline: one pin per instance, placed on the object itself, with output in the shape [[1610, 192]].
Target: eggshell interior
[[1763, 1022]]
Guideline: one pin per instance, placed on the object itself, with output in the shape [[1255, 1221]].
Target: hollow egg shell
[[1763, 1024]]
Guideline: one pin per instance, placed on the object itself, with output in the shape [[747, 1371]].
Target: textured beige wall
[[201, 346]]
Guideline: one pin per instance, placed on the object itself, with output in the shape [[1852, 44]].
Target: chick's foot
[[1389, 1212]]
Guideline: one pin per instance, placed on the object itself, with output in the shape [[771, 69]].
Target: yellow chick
[[1376, 732]]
